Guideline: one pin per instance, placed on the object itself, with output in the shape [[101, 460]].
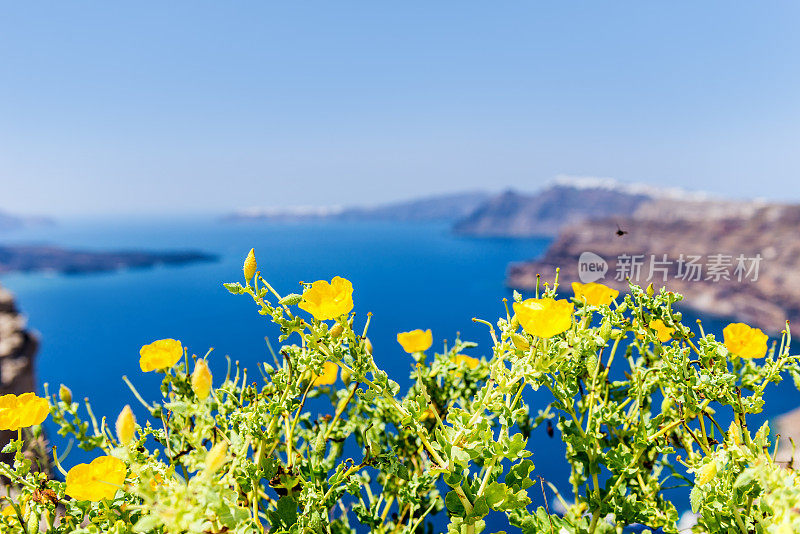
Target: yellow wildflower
[[216, 457], [662, 331], [201, 379], [470, 362], [160, 354], [745, 341], [706, 473], [126, 425], [594, 294], [415, 340], [427, 414], [326, 300], [97, 480], [250, 265], [545, 317], [20, 411], [328, 375]]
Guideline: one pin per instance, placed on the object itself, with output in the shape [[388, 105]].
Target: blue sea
[[410, 275]]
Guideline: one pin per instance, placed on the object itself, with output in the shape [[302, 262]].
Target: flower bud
[[368, 346], [706, 473], [734, 433], [336, 331], [345, 376], [319, 445], [250, 266], [605, 329], [126, 425], [650, 290], [201, 379], [65, 394], [519, 341], [216, 457]]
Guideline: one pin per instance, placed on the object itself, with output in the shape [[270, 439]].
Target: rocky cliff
[[730, 259], [543, 214], [18, 348]]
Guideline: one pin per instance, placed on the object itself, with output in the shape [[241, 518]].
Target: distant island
[[443, 208], [10, 221], [28, 258]]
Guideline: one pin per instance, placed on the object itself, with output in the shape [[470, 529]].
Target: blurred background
[[439, 155]]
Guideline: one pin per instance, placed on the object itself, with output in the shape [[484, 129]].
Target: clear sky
[[142, 107]]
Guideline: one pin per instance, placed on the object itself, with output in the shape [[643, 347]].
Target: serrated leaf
[[235, 288], [695, 498]]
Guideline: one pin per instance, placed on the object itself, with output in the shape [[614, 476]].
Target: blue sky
[[147, 107]]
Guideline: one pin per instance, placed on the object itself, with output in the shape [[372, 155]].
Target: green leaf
[[695, 499], [480, 508], [235, 288], [453, 503], [287, 510], [517, 477]]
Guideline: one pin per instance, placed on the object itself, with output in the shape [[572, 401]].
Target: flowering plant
[[637, 397]]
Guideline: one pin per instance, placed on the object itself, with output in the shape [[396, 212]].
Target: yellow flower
[[328, 375], [126, 425], [160, 354], [427, 414], [663, 332], [250, 266], [745, 341], [594, 294], [415, 341], [544, 317], [22, 411], [470, 362], [97, 480], [216, 457], [201, 379], [706, 473], [326, 300]]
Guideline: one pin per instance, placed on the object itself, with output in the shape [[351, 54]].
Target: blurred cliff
[[18, 348]]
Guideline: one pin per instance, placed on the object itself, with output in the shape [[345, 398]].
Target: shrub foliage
[[640, 400]]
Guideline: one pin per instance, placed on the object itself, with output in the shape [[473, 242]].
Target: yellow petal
[[9, 412], [326, 300], [594, 294], [160, 354], [470, 362], [328, 375], [545, 317], [97, 480], [745, 341], [661, 330], [415, 340], [33, 410]]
